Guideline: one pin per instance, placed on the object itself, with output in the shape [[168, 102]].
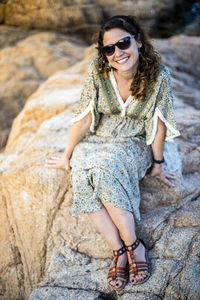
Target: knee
[[126, 218], [123, 216]]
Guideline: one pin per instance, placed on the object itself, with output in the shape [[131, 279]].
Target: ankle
[[130, 241], [122, 260], [117, 246], [133, 246]]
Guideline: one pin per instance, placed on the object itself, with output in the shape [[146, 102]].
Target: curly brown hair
[[149, 59]]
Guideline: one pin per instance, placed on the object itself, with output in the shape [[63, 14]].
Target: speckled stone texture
[[48, 254]]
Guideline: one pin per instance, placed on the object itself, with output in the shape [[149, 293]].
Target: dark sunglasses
[[122, 44]]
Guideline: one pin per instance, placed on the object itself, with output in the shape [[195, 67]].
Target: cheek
[[135, 54], [133, 50], [109, 59]]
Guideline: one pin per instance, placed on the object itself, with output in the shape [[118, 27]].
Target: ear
[[138, 42]]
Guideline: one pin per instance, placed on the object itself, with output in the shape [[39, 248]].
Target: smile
[[121, 61]]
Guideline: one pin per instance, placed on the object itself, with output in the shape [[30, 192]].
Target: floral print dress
[[115, 154]]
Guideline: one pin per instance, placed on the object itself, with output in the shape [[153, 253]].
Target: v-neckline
[[122, 103]]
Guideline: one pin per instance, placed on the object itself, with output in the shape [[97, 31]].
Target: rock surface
[[11, 35], [2, 7], [46, 251], [84, 16], [24, 58], [26, 21]]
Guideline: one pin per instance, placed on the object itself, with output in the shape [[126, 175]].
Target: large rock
[[68, 16], [11, 35], [84, 16], [25, 63], [57, 256], [2, 10]]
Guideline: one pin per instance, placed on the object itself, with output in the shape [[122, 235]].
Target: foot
[[118, 273], [139, 256], [122, 262]]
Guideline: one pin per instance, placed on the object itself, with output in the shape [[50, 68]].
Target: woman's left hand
[[158, 172]]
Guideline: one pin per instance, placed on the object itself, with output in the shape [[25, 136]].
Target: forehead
[[113, 35]]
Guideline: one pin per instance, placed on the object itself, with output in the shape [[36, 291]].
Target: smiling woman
[[123, 60], [124, 116], [126, 59], [149, 59]]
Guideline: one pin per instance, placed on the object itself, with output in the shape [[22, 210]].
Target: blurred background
[[40, 37]]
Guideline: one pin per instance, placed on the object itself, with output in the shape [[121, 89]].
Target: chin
[[125, 67]]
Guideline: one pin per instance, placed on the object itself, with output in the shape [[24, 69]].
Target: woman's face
[[122, 60]]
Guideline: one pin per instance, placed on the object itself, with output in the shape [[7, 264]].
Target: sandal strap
[[119, 252], [137, 267], [133, 246], [118, 273], [114, 268]]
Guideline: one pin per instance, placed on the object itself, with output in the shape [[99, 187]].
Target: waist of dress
[[93, 138]]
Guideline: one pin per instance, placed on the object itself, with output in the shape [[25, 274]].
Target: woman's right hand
[[58, 162]]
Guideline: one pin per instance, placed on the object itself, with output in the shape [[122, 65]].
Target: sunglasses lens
[[122, 44], [108, 50]]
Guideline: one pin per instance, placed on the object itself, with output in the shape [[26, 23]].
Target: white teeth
[[122, 60]]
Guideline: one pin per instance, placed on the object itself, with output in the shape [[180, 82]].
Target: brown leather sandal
[[141, 268], [118, 273]]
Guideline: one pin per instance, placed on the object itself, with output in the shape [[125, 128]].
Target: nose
[[118, 51]]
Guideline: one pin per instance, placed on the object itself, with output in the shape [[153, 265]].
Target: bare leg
[[104, 224], [125, 223]]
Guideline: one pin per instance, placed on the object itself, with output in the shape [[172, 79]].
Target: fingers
[[53, 163], [170, 175], [163, 179], [167, 182], [57, 162], [163, 176], [53, 159], [166, 176]]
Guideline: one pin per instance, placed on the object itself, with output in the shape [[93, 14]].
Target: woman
[[124, 116]]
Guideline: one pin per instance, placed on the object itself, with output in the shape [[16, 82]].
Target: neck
[[125, 78], [127, 75]]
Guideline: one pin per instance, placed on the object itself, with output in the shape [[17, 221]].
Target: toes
[[138, 278], [142, 274], [116, 283], [112, 283], [141, 277], [133, 280]]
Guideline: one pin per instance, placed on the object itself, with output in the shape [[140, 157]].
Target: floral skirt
[[108, 169]]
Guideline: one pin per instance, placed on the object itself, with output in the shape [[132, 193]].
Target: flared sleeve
[[163, 109], [88, 99]]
